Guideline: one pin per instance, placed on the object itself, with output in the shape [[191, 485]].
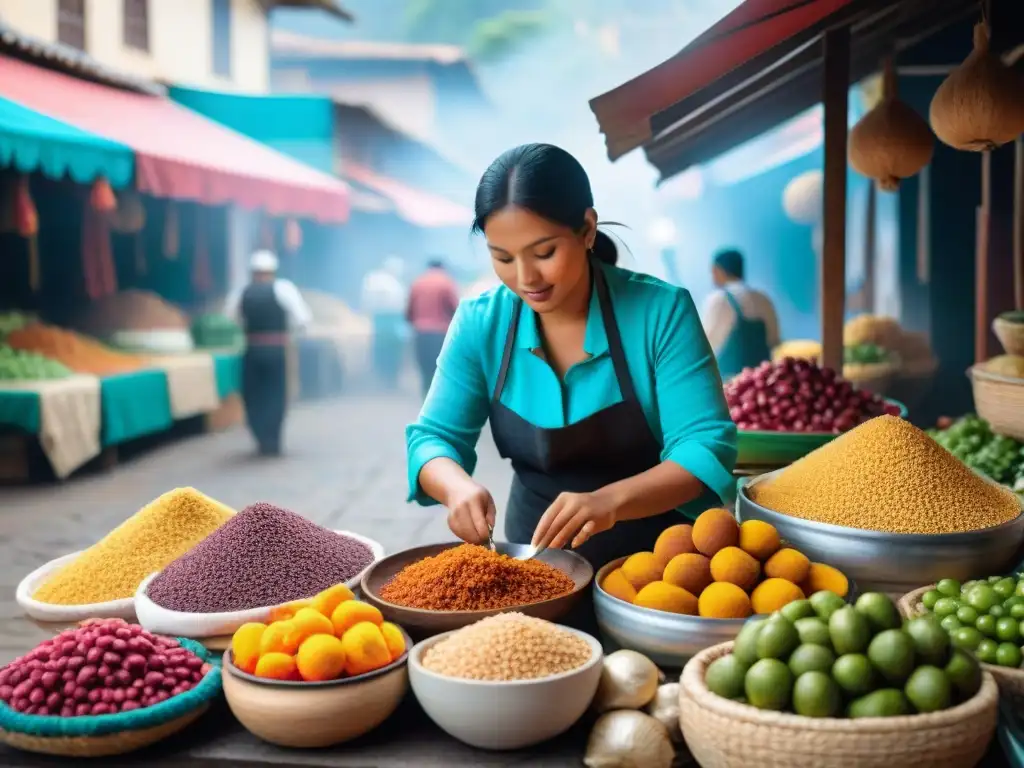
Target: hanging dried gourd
[[980, 106], [130, 216], [26, 221], [892, 141], [172, 231], [101, 197], [292, 236]]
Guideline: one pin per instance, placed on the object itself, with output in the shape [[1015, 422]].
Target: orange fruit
[[245, 646], [365, 648], [331, 598], [275, 639], [320, 657], [286, 611], [306, 623], [394, 638], [351, 612], [277, 666]]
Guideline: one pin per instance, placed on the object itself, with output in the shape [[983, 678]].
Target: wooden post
[[1018, 223], [833, 257], [981, 262]]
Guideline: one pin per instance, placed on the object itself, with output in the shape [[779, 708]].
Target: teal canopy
[[31, 141]]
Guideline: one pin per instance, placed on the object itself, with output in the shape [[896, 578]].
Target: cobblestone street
[[345, 469]]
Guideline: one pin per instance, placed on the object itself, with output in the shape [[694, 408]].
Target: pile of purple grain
[[263, 556]]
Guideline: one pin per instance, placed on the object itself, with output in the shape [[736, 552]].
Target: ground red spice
[[473, 578]]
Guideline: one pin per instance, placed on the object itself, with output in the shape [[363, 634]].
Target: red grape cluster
[[101, 668], [797, 396]]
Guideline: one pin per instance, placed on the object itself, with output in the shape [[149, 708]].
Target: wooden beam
[[981, 262], [1018, 223], [833, 256]]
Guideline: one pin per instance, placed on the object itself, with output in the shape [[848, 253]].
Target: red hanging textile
[[97, 256], [25, 215], [202, 273], [101, 197]]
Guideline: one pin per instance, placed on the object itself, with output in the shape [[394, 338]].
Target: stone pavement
[[345, 469]]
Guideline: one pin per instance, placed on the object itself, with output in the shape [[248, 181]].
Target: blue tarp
[[33, 142]]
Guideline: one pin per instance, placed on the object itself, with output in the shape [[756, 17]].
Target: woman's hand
[[471, 512], [574, 518]]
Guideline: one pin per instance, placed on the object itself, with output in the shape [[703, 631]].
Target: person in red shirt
[[433, 299]]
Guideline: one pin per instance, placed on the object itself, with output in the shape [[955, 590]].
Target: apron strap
[[740, 317], [611, 329], [506, 355]]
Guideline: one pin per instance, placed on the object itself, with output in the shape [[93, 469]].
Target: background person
[[433, 299], [599, 383], [740, 322], [267, 309], [383, 299]]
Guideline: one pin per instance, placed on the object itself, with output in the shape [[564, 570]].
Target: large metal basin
[[895, 563]]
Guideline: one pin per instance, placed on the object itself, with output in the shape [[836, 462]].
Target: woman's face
[[542, 262]]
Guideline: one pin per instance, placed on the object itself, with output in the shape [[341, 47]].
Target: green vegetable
[[971, 440], [216, 331], [866, 354], [20, 365]]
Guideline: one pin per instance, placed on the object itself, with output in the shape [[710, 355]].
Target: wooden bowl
[[421, 623], [313, 715]]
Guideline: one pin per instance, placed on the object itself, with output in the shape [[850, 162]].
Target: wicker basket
[[724, 734], [999, 400], [1010, 335], [1011, 681]]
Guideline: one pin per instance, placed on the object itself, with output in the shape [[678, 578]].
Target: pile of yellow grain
[[887, 475], [157, 534]]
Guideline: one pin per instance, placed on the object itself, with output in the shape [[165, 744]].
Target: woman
[[599, 382]]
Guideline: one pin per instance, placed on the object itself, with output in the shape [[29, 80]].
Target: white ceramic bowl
[[163, 621], [66, 614], [505, 715]]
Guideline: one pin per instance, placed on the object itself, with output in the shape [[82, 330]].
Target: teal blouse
[[668, 355]]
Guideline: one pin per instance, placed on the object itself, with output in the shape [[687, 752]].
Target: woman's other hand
[[471, 512], [574, 518]]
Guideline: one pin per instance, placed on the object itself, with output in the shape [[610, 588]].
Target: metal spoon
[[490, 538], [530, 553]]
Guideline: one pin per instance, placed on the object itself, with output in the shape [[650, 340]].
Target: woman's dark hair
[[545, 180]]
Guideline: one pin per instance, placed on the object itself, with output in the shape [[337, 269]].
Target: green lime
[[966, 615], [986, 625], [826, 603], [929, 689], [1009, 602], [946, 606], [744, 647], [964, 673], [982, 597], [948, 587], [1020, 588], [967, 638], [931, 642], [725, 675], [892, 653], [887, 702], [854, 674], [812, 631], [815, 694], [1007, 655], [768, 685], [776, 640], [997, 610], [880, 611], [1005, 587], [949, 623], [798, 609], [986, 650], [994, 579], [1017, 610], [811, 658], [1007, 630], [849, 631], [930, 598]]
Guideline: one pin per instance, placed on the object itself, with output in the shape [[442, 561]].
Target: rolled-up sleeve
[[456, 406], [698, 434]]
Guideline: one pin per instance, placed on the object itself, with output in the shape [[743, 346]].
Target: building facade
[[216, 44]]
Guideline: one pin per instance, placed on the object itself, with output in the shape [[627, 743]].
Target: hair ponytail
[[604, 249]]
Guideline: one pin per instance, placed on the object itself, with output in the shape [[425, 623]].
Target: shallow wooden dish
[[422, 623], [312, 715]]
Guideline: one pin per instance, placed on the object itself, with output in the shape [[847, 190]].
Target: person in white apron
[[599, 382]]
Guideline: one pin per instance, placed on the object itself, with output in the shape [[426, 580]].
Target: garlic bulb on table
[[665, 709], [629, 680], [628, 739]]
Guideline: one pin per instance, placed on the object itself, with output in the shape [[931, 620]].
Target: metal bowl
[[421, 623], [667, 639], [894, 563]]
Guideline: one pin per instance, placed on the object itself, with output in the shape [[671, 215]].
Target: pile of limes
[[985, 617], [823, 658]]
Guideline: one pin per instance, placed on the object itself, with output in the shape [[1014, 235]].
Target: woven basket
[[725, 734], [999, 400], [1011, 681], [99, 746], [1010, 335]]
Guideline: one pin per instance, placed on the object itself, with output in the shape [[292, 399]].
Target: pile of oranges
[[330, 636], [719, 569]]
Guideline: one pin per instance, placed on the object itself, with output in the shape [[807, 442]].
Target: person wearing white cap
[[267, 309]]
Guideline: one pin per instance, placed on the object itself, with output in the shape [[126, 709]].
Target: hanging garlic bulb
[[802, 198], [628, 739], [891, 142], [980, 106]]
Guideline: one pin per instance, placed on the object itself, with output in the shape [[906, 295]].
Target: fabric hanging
[[97, 256], [202, 274], [172, 231]]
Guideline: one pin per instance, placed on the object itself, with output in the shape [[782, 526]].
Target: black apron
[[264, 366], [607, 446]]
